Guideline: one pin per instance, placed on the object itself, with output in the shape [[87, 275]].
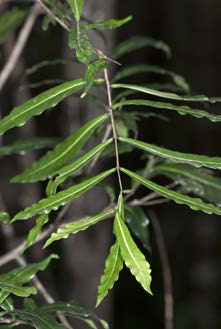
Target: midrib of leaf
[[182, 172], [38, 104], [55, 159], [113, 268], [126, 244], [76, 8], [175, 155], [40, 209], [35, 315], [175, 196]]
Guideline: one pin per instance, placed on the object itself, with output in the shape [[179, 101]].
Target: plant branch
[[107, 81], [19, 45], [51, 13], [43, 291], [167, 276], [96, 158]]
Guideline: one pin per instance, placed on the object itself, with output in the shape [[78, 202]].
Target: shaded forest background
[[192, 29]]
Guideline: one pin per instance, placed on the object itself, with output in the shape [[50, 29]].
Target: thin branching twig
[[167, 276]]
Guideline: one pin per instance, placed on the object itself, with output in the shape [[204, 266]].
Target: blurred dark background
[[192, 29]]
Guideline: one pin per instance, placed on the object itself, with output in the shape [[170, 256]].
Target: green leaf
[[111, 24], [77, 7], [35, 231], [149, 91], [113, 266], [92, 70], [29, 304], [71, 308], [35, 106], [53, 202], [193, 180], [76, 227], [24, 146], [4, 217], [59, 11], [192, 159], [9, 21], [133, 257], [8, 304], [67, 171], [182, 110], [142, 68], [8, 287], [193, 203], [78, 40], [138, 42], [39, 320], [61, 155], [11, 282], [138, 222]]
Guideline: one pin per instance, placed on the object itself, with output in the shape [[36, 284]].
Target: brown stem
[[19, 45], [50, 12], [167, 276], [107, 81]]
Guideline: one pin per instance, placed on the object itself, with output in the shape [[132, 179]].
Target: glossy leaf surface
[[35, 106], [192, 159], [92, 70], [76, 227], [193, 180], [67, 171], [111, 24], [133, 257], [193, 203], [61, 155], [181, 109], [113, 266], [149, 91], [77, 7], [55, 201]]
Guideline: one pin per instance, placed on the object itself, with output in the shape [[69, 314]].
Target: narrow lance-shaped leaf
[[138, 222], [11, 282], [113, 266], [55, 201], [139, 42], [192, 159], [58, 10], [92, 70], [73, 309], [61, 155], [183, 109], [67, 171], [39, 320], [111, 24], [133, 257], [149, 91], [193, 203], [24, 146], [35, 231], [77, 7], [193, 180], [35, 106], [143, 68], [76, 227]]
